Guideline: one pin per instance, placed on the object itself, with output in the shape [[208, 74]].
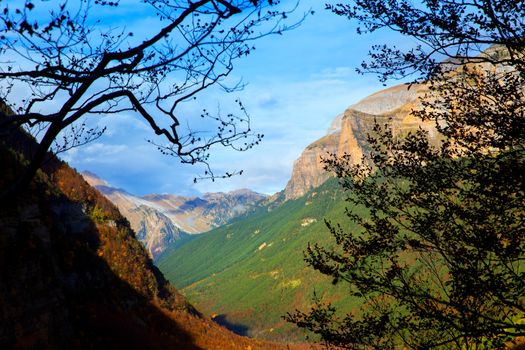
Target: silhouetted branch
[[70, 67]]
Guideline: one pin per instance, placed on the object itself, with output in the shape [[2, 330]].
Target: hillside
[[73, 276], [162, 221], [251, 272]]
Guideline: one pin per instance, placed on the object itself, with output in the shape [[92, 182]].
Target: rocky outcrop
[[154, 229], [200, 214], [221, 207], [348, 133], [160, 220]]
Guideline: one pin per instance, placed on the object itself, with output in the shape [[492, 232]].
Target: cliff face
[[348, 133], [160, 220], [200, 214], [154, 229]]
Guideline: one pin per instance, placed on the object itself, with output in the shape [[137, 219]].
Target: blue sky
[[296, 84]]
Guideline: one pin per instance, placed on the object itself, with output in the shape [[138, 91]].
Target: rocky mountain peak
[[387, 100], [93, 180], [348, 132]]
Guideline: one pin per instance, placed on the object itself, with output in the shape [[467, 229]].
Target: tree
[[69, 65], [439, 260]]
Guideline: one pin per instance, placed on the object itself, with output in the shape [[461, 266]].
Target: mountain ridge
[[162, 219], [348, 132], [262, 250]]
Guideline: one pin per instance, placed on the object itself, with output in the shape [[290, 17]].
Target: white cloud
[[291, 114], [335, 73]]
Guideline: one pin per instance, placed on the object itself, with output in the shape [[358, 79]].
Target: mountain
[[73, 275], [348, 134], [251, 272], [200, 214], [153, 228], [162, 220]]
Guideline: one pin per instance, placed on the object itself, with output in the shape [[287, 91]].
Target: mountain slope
[[200, 214], [73, 276], [152, 227], [256, 262], [251, 272], [162, 220]]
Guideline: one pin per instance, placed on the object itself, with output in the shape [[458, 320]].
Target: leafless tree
[[70, 65]]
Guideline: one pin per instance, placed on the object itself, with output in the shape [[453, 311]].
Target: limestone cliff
[[348, 133], [160, 220]]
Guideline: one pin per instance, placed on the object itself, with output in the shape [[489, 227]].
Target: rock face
[[201, 214], [348, 133], [160, 220], [154, 229]]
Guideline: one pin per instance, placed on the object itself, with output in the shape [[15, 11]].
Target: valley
[[257, 273], [248, 271], [253, 176]]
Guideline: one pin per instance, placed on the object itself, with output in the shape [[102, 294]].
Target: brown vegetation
[[73, 276]]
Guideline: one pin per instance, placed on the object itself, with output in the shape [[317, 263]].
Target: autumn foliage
[[73, 276]]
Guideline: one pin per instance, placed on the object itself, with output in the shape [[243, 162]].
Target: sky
[[296, 84]]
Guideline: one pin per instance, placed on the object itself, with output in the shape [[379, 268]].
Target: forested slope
[[73, 275], [250, 273]]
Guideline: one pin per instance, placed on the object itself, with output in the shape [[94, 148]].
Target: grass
[[252, 271]]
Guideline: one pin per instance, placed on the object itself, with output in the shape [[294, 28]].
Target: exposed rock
[[94, 180], [348, 133], [307, 221], [154, 229], [161, 219], [197, 215]]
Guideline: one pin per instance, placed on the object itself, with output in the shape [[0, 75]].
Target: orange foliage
[[111, 294]]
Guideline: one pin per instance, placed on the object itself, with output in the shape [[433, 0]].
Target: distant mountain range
[[160, 220]]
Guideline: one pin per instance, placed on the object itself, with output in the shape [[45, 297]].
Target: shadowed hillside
[[73, 276]]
